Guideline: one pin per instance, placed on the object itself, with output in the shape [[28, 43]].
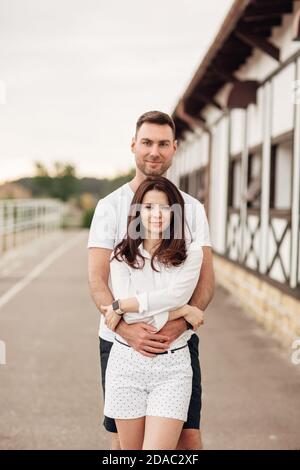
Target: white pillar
[[266, 167], [296, 193], [244, 176]]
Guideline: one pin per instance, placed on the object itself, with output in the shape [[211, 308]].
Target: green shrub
[[87, 218]]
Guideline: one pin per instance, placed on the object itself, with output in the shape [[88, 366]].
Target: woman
[[154, 272]]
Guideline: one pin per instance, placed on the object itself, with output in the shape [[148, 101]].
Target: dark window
[[184, 183], [281, 176], [201, 184], [253, 193], [234, 183]]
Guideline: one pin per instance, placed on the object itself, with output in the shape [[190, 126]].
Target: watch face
[[115, 305]]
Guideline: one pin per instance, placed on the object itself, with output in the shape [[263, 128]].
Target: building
[[14, 191], [238, 127]]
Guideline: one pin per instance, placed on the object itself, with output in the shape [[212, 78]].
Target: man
[[154, 147]]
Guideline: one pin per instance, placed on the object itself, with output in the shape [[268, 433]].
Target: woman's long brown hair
[[172, 250]]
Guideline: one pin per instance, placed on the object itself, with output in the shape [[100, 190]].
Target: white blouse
[[157, 292]]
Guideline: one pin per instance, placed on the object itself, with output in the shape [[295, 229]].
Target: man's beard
[[152, 171], [158, 172]]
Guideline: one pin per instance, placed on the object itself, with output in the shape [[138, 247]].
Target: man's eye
[[147, 143], [164, 144]]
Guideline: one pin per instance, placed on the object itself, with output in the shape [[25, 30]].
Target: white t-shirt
[[157, 292], [109, 227]]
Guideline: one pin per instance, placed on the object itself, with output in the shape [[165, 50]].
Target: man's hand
[[194, 316], [142, 338], [174, 328]]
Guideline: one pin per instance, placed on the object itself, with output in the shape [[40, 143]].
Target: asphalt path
[[50, 391]]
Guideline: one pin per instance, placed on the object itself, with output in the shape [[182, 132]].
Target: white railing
[[22, 220]]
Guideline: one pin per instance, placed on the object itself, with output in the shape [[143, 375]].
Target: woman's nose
[[156, 212]]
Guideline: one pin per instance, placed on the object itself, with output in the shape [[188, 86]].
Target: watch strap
[[116, 307]]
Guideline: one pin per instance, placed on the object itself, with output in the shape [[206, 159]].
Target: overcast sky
[[78, 73]]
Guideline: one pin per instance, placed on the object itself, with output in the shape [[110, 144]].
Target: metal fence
[[22, 220]]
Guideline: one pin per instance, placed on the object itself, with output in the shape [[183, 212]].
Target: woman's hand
[[112, 319], [194, 316]]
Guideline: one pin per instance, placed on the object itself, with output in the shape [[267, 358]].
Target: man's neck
[[137, 180]]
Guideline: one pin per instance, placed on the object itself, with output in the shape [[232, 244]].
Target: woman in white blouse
[[154, 272]]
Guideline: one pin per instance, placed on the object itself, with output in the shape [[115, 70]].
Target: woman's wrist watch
[[116, 307]]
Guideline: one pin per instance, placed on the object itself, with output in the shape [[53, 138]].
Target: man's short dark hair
[[156, 117]]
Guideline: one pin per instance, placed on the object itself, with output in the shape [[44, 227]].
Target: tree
[[65, 183]]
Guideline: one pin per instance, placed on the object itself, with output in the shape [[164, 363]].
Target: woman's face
[[155, 213]]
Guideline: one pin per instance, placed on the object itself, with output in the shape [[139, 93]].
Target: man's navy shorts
[[193, 420]]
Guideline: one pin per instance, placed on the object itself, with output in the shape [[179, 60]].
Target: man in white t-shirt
[[154, 147]]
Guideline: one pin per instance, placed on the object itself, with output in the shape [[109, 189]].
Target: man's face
[[154, 147]]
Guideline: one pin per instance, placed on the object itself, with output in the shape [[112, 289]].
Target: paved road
[[50, 390], [251, 388], [50, 386]]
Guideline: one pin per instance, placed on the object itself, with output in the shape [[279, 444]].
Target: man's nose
[[154, 150]]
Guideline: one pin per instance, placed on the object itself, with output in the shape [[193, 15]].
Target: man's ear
[[132, 146], [175, 143]]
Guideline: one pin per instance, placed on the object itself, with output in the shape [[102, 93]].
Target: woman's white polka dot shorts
[[138, 386]]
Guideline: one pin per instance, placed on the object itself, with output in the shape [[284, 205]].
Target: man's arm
[[98, 273], [204, 290]]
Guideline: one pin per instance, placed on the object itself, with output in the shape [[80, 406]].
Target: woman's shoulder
[[194, 246], [116, 258], [119, 263], [194, 249]]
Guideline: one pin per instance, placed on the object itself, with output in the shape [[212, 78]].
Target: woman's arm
[[121, 287], [175, 295], [190, 313], [156, 303], [120, 282]]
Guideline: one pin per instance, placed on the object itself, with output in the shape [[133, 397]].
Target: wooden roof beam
[[255, 27], [259, 43], [260, 17], [266, 23], [296, 27], [224, 75], [257, 9], [269, 2], [235, 13], [192, 122], [181, 126], [242, 94]]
